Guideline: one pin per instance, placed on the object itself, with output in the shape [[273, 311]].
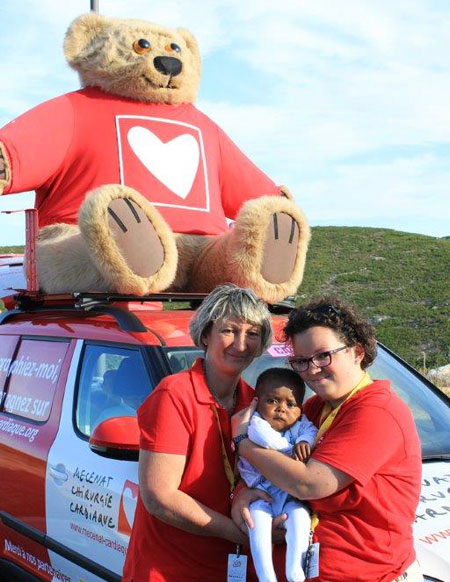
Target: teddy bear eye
[[175, 47], [141, 46]]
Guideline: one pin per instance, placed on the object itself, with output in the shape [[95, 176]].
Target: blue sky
[[344, 101]]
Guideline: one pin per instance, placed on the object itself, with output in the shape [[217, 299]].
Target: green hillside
[[11, 250], [400, 281]]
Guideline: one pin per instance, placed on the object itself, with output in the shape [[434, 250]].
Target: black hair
[[286, 375], [341, 317]]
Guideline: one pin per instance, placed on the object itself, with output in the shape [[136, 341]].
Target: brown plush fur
[[119, 70], [189, 247], [90, 259], [261, 250], [93, 223], [5, 171], [237, 255], [64, 263]]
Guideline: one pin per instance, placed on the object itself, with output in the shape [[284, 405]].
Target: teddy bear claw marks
[[280, 248], [135, 237]]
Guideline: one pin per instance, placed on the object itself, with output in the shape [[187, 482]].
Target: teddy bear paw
[[280, 248], [129, 241], [135, 237]]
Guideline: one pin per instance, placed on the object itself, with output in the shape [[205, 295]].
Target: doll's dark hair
[[341, 317]]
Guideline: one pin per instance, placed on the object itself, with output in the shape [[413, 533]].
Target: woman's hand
[[241, 420], [240, 512]]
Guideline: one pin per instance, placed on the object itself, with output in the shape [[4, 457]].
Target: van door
[[33, 377], [91, 499]]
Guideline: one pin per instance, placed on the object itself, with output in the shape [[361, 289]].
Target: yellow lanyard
[[326, 419], [231, 475]]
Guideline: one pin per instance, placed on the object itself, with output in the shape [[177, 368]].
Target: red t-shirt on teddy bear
[[174, 155]]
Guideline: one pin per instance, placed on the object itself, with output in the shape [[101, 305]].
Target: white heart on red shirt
[[129, 501], [173, 163]]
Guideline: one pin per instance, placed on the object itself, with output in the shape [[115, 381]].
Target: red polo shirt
[[365, 530], [177, 418]]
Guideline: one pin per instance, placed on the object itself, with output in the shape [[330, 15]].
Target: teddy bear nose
[[168, 65]]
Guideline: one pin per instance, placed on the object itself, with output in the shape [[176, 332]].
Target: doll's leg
[[261, 540], [298, 527]]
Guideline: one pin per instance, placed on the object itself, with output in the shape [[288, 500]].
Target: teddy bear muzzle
[[168, 65]]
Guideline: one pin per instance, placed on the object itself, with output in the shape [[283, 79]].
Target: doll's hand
[[241, 420], [302, 451]]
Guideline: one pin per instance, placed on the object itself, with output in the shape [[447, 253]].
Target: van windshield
[[431, 412]]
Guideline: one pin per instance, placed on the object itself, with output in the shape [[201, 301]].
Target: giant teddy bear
[[134, 184]]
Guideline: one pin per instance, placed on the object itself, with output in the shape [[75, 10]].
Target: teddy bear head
[[134, 58]]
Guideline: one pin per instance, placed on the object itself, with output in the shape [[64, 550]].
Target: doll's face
[[278, 404]]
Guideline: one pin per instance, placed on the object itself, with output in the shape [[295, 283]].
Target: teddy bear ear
[[81, 32], [190, 41]]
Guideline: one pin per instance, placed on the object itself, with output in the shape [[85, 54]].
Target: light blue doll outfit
[[298, 523]]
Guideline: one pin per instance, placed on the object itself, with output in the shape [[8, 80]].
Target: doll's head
[[134, 58], [280, 393]]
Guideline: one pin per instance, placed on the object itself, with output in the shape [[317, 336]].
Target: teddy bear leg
[[63, 262], [128, 240], [265, 251], [204, 268], [188, 246], [267, 248]]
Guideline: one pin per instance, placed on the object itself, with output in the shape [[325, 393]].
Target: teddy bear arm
[[5, 171], [34, 145]]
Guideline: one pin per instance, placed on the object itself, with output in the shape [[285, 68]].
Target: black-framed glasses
[[321, 360]]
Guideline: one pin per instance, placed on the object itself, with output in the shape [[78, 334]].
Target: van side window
[[32, 377], [113, 382]]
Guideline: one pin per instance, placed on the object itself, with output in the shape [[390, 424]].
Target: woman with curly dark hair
[[363, 477]]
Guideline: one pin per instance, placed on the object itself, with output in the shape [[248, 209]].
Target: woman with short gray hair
[[182, 529], [231, 301]]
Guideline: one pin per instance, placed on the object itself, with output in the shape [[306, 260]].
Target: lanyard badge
[[237, 566]]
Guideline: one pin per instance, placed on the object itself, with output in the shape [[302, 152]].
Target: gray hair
[[229, 300]]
